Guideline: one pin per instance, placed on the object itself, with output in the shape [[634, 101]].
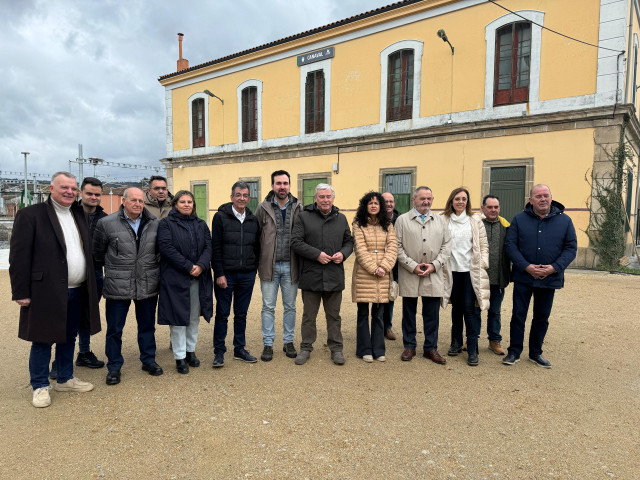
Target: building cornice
[[568, 120]]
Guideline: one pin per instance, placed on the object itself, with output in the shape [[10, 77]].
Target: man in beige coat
[[157, 199], [424, 246]]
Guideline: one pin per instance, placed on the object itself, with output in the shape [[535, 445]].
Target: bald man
[[125, 243]]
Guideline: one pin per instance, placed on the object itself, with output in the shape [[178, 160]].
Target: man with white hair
[[322, 239], [53, 281], [125, 243]]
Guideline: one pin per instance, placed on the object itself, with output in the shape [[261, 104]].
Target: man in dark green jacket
[[323, 241], [499, 268]]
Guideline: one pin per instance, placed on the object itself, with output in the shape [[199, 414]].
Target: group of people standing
[[155, 251]]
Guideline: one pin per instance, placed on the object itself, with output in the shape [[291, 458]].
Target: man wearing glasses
[[235, 241], [157, 199]]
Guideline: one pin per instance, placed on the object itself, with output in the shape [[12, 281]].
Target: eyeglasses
[[159, 189]]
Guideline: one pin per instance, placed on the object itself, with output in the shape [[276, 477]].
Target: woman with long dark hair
[[376, 249], [186, 286], [467, 271]]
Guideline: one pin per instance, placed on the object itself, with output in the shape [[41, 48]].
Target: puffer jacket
[[132, 262], [374, 247], [541, 241], [478, 266], [235, 245]]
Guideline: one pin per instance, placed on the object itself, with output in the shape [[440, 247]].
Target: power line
[[554, 31]]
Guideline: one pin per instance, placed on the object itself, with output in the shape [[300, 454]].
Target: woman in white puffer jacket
[[466, 270]]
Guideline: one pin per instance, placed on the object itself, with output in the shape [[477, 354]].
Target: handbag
[[394, 289]]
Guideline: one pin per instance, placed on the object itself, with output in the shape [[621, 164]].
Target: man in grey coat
[[424, 246], [125, 243], [323, 241]]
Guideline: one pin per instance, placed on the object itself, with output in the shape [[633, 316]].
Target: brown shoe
[[496, 348], [435, 357], [389, 335], [408, 354]]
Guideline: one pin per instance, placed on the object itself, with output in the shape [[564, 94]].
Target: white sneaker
[[73, 385], [367, 358], [41, 397], [381, 358]]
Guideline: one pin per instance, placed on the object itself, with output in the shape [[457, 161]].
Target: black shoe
[[510, 359], [88, 359], [182, 367], [153, 368], [192, 360], [454, 349], [289, 350], [218, 360], [53, 373], [113, 378], [540, 361], [244, 355], [267, 353], [472, 359]]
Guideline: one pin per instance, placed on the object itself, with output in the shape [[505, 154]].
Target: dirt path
[[579, 420]]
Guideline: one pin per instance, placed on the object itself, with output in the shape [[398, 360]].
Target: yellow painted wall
[[559, 161], [567, 69]]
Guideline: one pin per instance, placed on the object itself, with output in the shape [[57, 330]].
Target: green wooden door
[[399, 184], [508, 184], [309, 189], [200, 194]]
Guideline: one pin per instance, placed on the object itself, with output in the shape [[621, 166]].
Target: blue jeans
[[239, 290], [430, 322], [493, 315], [463, 308], [542, 303], [117, 316], [84, 334], [282, 279], [41, 352]]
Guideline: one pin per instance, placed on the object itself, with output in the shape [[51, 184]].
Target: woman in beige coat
[[467, 271], [376, 249]]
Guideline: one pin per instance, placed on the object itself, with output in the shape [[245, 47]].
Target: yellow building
[[493, 96]]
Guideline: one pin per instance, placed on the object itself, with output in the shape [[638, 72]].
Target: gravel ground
[[394, 420]]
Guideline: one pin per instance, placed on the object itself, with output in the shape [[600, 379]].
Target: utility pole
[[80, 163], [26, 192]]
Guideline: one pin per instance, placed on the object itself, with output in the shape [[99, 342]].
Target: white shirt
[[76, 262], [461, 242], [239, 216]]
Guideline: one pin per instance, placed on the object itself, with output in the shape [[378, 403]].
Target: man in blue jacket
[[541, 242]]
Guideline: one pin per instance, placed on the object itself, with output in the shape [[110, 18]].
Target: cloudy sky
[[86, 71]]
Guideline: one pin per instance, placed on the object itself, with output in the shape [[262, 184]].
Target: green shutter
[[253, 191], [200, 194], [399, 184], [309, 189], [508, 184]]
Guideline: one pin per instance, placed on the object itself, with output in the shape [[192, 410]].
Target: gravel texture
[[395, 420]]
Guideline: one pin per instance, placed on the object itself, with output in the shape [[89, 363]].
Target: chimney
[[183, 63]]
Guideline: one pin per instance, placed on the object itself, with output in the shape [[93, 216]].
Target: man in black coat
[[323, 240], [91, 191], [53, 281], [393, 214], [235, 242]]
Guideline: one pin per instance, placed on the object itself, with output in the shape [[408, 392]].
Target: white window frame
[[325, 66], [536, 42], [417, 48], [193, 97], [242, 86]]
